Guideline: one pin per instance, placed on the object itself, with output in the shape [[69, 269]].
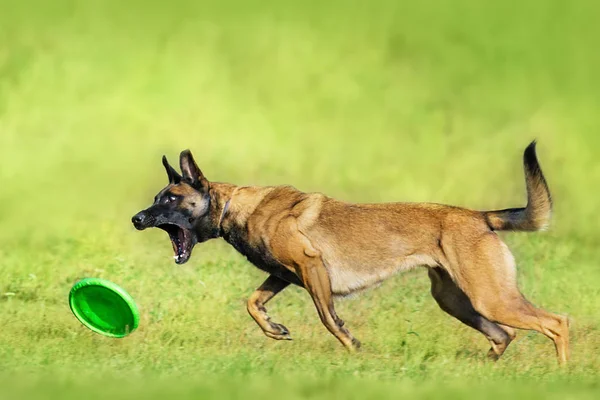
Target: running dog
[[333, 248]]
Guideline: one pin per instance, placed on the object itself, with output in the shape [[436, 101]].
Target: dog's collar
[[225, 208]]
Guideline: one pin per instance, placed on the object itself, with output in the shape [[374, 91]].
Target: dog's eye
[[168, 199]]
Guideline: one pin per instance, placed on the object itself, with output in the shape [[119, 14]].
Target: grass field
[[365, 101]]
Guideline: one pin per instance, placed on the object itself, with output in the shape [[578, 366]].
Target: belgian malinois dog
[[332, 248]]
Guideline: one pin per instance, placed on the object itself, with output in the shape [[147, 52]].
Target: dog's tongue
[[183, 248], [182, 239]]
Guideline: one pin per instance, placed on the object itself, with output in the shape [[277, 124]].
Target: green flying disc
[[104, 307]]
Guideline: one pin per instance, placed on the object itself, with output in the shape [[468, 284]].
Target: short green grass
[[365, 101]]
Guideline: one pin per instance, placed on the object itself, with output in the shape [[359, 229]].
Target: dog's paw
[[492, 355], [278, 332], [354, 346]]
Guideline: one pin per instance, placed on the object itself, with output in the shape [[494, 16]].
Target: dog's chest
[[260, 256]]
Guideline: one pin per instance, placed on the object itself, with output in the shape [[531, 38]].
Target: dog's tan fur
[[333, 248]]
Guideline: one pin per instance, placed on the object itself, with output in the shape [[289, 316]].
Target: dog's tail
[[536, 215]]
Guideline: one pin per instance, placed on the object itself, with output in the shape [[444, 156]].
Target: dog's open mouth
[[182, 241]]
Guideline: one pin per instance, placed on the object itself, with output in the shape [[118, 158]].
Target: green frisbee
[[104, 307]]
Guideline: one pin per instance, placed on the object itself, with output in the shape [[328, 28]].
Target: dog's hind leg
[[512, 333], [256, 308], [456, 303], [488, 277]]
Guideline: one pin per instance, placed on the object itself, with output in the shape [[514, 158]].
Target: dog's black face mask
[[182, 209]]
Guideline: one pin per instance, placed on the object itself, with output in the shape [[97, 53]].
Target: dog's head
[[182, 209]]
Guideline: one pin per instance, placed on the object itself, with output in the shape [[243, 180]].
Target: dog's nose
[[138, 220]]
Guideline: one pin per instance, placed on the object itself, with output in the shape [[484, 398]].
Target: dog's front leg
[[257, 310], [316, 280], [295, 251]]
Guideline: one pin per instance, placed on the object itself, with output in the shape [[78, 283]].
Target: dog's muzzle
[[141, 220]]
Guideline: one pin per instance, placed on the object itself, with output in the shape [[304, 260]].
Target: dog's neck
[[220, 198], [225, 208], [235, 204]]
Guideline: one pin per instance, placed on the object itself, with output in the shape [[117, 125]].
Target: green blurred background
[[363, 100]]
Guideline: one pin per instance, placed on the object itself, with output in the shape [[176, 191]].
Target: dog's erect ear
[[173, 175], [191, 173]]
